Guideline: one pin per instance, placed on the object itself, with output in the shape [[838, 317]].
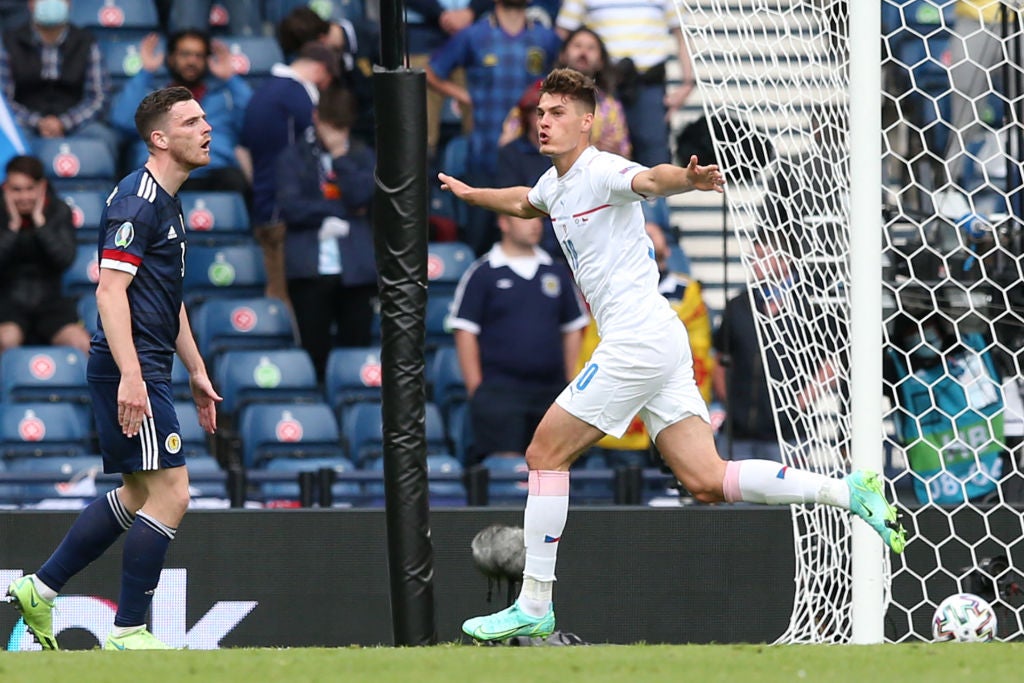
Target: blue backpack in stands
[[950, 420]]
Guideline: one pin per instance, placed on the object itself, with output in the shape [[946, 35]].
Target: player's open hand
[[705, 177], [453, 185], [132, 404], [206, 399]]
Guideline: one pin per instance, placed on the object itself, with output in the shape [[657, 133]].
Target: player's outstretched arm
[[511, 201], [666, 179]]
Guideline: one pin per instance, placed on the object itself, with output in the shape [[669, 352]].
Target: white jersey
[[600, 226]]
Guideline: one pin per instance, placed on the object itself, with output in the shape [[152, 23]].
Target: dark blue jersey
[[144, 235]]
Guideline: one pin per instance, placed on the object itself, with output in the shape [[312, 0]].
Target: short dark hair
[[154, 107], [572, 84], [178, 36], [26, 165], [299, 27], [337, 107]]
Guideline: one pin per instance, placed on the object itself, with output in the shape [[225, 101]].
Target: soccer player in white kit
[[643, 363]]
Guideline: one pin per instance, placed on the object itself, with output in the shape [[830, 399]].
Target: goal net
[[774, 81]]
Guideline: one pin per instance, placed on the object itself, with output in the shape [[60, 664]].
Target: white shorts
[[650, 375]]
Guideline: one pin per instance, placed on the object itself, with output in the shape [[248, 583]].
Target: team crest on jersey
[[550, 285], [173, 442], [535, 60], [124, 235]]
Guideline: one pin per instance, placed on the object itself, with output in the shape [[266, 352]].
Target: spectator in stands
[[53, 76], [37, 244], [743, 376], [204, 67], [516, 319], [639, 39], [356, 41], [324, 188], [244, 17], [278, 115], [503, 53]]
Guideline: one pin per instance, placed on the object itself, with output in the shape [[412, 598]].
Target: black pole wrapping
[[400, 239]]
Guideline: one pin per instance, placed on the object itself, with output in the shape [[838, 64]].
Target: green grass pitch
[[470, 664]]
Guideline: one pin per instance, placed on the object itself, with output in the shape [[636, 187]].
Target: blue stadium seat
[[215, 218], [74, 477], [363, 430], [265, 376], [199, 464], [84, 273], [446, 262], [249, 323], [504, 490], [43, 373], [122, 59], [460, 431], [222, 271], [331, 10], [289, 430], [443, 492], [116, 19], [252, 56], [343, 492], [194, 441], [86, 211], [88, 313], [74, 163], [41, 429], [453, 161], [352, 375], [438, 333], [448, 388]]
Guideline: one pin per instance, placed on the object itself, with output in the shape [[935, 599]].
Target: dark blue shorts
[[158, 443]]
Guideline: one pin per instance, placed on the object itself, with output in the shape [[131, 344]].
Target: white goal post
[[875, 149]]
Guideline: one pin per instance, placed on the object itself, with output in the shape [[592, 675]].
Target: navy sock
[[95, 530], [145, 548]]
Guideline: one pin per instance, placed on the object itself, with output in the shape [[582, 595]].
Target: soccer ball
[[965, 618]]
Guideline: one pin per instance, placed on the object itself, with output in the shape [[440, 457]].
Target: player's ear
[[158, 139]]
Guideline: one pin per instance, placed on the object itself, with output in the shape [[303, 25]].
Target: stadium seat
[[199, 486], [343, 492], [43, 373], [249, 323], [86, 211], [215, 218], [41, 429], [265, 376], [74, 477], [289, 430], [438, 333], [179, 381], [446, 262], [460, 431], [80, 164], [454, 163], [443, 492], [84, 273], [253, 56], [116, 19], [122, 59], [331, 10], [87, 312], [363, 430], [508, 480], [194, 441], [353, 375], [221, 271], [448, 388]]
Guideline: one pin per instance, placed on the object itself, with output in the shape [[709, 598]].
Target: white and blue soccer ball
[[965, 618]]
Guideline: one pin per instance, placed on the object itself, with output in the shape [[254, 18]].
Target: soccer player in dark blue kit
[[142, 323]]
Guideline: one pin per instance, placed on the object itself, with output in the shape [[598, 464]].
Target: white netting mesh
[[774, 81]]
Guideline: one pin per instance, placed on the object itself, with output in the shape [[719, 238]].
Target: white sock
[[45, 592], [764, 481], [119, 631], [547, 507]]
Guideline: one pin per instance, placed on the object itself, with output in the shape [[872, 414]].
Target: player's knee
[[539, 458], [704, 489]]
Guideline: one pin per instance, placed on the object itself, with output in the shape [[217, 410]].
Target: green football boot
[[139, 639], [36, 611], [867, 501], [509, 623]]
